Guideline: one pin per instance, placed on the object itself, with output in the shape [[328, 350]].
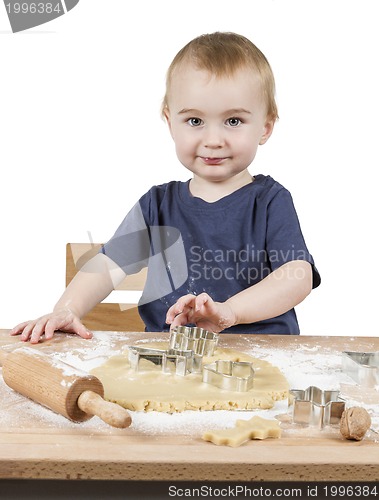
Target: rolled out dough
[[151, 389]]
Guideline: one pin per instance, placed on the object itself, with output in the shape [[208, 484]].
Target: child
[[224, 250]]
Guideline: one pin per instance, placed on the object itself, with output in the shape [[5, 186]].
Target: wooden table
[[75, 453]]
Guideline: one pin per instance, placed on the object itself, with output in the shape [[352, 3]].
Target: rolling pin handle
[[111, 413]]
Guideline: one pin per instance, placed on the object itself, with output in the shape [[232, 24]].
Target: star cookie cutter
[[202, 342], [229, 375], [170, 361], [314, 406], [363, 367]]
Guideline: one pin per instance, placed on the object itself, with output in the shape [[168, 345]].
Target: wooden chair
[[106, 316]]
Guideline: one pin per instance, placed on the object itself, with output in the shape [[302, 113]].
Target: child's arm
[[279, 292], [97, 278]]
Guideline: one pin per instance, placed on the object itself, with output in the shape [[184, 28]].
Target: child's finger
[[180, 320], [16, 330], [182, 305], [44, 325], [201, 300], [37, 331], [81, 330], [27, 331]]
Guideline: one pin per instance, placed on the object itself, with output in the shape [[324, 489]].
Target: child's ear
[[267, 130], [166, 114]]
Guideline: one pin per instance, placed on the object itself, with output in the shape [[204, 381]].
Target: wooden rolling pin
[[64, 389]]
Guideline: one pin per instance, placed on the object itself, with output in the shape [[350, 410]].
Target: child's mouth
[[212, 161]]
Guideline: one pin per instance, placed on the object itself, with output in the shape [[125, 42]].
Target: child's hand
[[64, 320], [201, 310]]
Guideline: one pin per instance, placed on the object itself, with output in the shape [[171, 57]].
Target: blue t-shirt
[[221, 248]]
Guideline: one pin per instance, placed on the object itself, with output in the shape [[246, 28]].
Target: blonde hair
[[222, 54]]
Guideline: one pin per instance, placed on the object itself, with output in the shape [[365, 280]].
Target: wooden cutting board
[[40, 446]]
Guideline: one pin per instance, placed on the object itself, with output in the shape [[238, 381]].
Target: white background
[[82, 138]]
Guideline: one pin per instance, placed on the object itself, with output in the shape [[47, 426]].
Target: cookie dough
[[255, 428], [151, 389]]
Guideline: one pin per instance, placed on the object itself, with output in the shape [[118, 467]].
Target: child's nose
[[214, 138]]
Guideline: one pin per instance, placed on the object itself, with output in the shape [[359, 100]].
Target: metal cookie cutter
[[170, 360], [363, 367], [229, 375], [202, 342], [316, 407]]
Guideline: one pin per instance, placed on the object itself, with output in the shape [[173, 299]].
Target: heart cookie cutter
[[229, 375], [314, 406], [170, 360], [202, 342]]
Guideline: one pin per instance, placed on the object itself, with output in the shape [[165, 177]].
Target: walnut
[[355, 422]]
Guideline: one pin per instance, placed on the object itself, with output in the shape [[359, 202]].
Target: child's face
[[217, 123]]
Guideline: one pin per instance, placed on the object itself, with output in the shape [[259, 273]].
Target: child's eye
[[195, 122], [233, 122]]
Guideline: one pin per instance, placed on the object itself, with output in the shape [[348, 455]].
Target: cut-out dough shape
[[255, 428], [151, 389]]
